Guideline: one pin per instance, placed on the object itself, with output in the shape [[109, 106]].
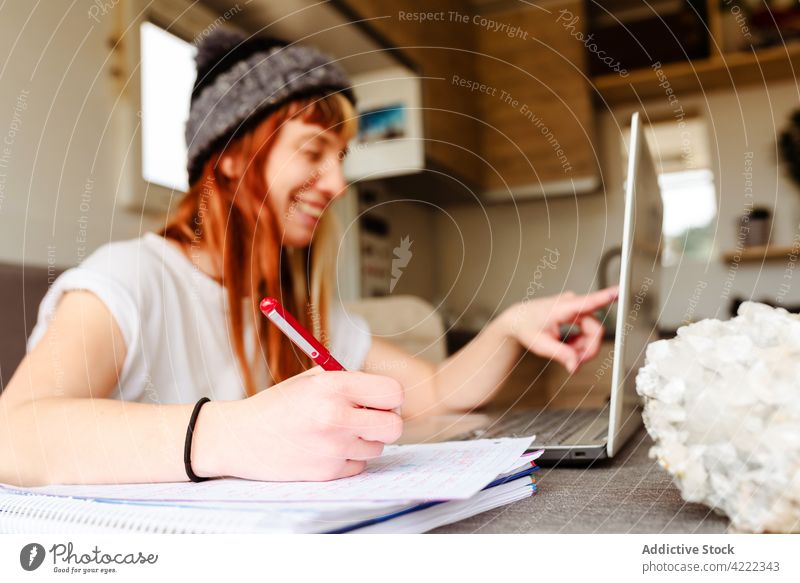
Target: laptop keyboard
[[551, 426]]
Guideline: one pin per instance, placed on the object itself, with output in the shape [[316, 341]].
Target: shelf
[[721, 71], [762, 253]]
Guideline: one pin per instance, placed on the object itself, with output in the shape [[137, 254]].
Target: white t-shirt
[[174, 320]]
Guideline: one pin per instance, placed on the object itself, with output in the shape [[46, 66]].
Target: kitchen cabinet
[[736, 57], [439, 49], [506, 97], [540, 130]]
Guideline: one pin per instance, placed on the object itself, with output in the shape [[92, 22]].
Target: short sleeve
[[118, 298], [115, 297], [351, 338]]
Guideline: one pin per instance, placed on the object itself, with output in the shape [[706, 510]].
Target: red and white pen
[[301, 337]]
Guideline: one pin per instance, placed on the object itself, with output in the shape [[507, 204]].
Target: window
[[154, 77], [682, 157], [167, 77], [690, 207]]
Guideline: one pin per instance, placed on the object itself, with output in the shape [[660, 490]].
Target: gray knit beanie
[[240, 80]]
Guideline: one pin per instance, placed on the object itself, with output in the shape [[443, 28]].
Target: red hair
[[231, 220]]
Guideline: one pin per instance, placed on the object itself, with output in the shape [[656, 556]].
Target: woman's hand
[[314, 426], [536, 325]]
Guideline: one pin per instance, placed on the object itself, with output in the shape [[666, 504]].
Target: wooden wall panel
[[544, 72], [440, 49], [542, 67]]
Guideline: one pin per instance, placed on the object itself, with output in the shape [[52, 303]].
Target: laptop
[[585, 435]]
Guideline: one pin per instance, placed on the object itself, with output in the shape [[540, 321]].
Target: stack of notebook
[[409, 489]]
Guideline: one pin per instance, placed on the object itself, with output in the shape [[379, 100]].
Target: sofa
[[21, 289]]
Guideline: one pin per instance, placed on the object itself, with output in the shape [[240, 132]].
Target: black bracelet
[[187, 448]]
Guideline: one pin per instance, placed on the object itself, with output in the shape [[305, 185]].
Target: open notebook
[[410, 488]]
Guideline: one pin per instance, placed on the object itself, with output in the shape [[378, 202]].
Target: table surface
[[628, 494]]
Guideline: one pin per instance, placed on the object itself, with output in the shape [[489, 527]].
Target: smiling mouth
[[309, 209]]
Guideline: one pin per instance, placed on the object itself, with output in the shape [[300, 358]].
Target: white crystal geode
[[722, 403]]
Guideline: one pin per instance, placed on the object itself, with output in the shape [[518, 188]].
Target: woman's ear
[[229, 168]]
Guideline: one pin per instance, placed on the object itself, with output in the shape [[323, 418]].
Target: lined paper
[[432, 471]]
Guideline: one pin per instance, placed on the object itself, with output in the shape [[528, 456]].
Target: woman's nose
[[332, 182]]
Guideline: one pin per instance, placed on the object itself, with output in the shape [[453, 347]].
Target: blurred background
[[490, 161]]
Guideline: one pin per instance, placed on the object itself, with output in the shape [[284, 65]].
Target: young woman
[[129, 341]]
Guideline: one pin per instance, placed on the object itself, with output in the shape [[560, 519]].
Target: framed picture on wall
[[382, 123], [390, 140]]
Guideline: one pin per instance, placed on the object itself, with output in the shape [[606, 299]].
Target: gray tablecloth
[[630, 493]]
